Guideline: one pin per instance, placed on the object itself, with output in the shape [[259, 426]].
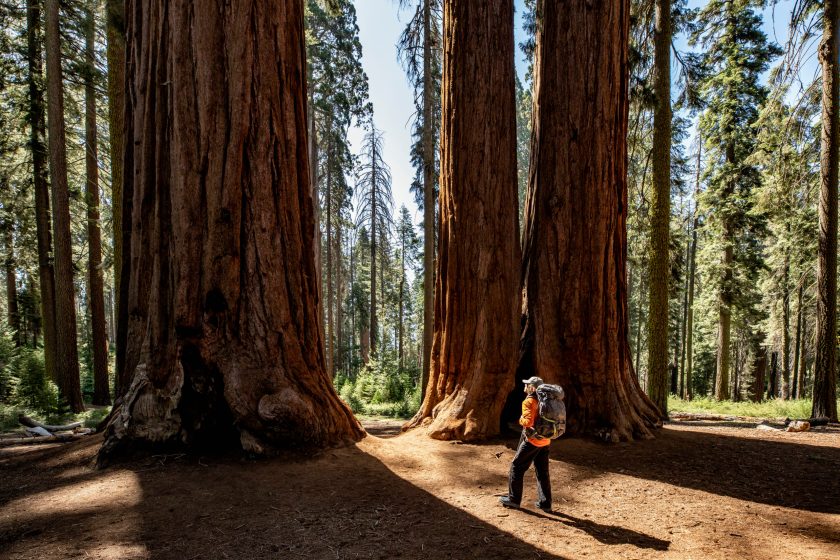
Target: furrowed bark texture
[[40, 184], [825, 369], [223, 339], [659, 267], [96, 291], [477, 289], [575, 240], [67, 356]]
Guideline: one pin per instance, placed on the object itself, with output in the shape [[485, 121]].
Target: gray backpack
[[552, 421]]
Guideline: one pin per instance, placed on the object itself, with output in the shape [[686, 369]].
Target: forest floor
[[696, 491]]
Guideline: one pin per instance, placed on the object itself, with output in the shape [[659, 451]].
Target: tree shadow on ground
[[343, 504], [606, 534], [779, 473]]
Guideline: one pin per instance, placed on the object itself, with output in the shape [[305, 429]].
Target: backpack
[[551, 423]]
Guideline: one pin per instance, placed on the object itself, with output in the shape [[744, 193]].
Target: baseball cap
[[535, 381]]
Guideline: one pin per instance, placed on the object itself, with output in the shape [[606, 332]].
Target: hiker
[[532, 449]]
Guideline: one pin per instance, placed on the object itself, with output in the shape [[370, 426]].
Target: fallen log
[[31, 423], [64, 438], [820, 421]]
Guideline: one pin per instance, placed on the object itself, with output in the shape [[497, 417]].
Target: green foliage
[[381, 389], [776, 408], [8, 352], [9, 416], [33, 390]]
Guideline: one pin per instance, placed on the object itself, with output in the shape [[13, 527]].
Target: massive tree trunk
[[224, 343], [428, 200], [476, 305], [43, 226], [67, 357], [575, 251], [659, 263], [115, 53], [825, 368], [96, 291]]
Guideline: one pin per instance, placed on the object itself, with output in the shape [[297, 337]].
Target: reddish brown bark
[[115, 10], [96, 291], [476, 292], [575, 239], [43, 226], [67, 356], [223, 341]]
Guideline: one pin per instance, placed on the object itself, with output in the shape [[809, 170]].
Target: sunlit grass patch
[[775, 408]]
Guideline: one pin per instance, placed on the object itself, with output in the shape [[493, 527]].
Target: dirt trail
[[693, 492]]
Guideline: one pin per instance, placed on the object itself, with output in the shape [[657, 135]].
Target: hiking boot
[[546, 509], [508, 503]]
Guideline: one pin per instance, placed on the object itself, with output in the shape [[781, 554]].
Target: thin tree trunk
[[689, 327], [576, 229], [43, 219], [13, 313], [115, 53], [96, 291], [681, 391], [659, 263], [825, 367], [339, 296], [797, 343], [329, 303], [67, 358], [725, 299], [402, 304], [473, 361], [373, 245], [428, 199], [640, 309], [772, 385], [802, 357], [759, 373], [216, 352], [786, 325]]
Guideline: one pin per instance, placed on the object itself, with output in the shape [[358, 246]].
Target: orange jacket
[[530, 413]]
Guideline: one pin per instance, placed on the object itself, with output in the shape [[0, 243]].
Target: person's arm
[[528, 413]]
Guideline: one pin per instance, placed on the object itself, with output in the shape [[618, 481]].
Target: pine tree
[[735, 53], [374, 191], [420, 49]]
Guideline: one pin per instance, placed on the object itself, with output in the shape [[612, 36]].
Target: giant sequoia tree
[[223, 339], [575, 240], [476, 292]]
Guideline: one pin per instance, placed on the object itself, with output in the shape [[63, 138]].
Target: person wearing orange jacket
[[531, 449]]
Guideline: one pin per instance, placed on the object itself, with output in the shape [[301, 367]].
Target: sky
[[380, 24]]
